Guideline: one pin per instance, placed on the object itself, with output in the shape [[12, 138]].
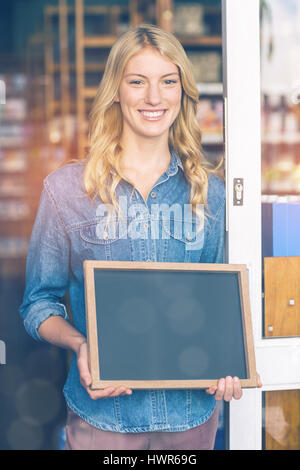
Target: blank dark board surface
[[169, 325]]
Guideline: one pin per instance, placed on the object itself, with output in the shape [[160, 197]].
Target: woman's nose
[[153, 95]]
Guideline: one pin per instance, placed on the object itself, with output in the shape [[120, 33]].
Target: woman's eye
[[140, 82]]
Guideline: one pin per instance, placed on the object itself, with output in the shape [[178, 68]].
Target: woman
[[145, 146]]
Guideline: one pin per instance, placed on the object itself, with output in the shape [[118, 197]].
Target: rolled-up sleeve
[[47, 267]]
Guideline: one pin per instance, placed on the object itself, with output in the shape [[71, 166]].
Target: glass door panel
[[281, 423], [280, 119]]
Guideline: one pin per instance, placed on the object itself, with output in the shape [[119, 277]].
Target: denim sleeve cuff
[[39, 312]]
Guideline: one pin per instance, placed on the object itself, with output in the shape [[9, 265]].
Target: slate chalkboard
[[169, 325]]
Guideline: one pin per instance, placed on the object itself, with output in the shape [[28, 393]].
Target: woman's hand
[[86, 379], [229, 388]]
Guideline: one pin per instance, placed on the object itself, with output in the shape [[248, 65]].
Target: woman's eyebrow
[[144, 76]]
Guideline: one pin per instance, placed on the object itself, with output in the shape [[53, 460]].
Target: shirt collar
[[174, 163]]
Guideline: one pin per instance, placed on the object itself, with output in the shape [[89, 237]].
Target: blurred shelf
[[281, 138], [210, 88], [10, 171], [99, 41], [12, 191], [12, 120], [212, 139], [291, 197], [200, 40], [56, 106], [90, 92], [283, 196], [88, 9], [12, 143], [13, 247], [89, 67]]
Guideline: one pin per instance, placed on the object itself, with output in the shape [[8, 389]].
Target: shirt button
[[146, 225], [148, 259], [189, 237], [153, 194]]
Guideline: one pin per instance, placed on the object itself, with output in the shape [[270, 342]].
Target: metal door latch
[[238, 191]]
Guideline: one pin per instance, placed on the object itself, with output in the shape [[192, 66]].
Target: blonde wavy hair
[[102, 172]]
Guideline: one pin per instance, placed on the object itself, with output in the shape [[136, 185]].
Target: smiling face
[[149, 94]]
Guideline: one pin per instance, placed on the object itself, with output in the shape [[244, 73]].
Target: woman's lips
[[152, 115]]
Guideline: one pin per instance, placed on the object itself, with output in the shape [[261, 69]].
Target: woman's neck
[[145, 155]]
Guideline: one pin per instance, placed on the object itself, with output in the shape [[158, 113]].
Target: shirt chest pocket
[[107, 242], [184, 240]]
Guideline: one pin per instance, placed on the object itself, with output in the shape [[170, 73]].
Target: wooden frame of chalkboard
[[114, 297]]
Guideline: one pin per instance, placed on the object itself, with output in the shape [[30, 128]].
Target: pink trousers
[[83, 436]]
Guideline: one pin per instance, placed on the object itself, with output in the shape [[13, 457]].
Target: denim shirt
[[69, 228]]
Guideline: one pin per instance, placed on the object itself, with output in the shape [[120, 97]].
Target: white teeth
[[150, 114]]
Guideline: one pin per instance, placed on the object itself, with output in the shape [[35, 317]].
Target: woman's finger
[[104, 393], [121, 391], [220, 390], [83, 366], [228, 389], [118, 391], [211, 390], [128, 391], [237, 389], [259, 381], [85, 378], [84, 373], [109, 392]]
